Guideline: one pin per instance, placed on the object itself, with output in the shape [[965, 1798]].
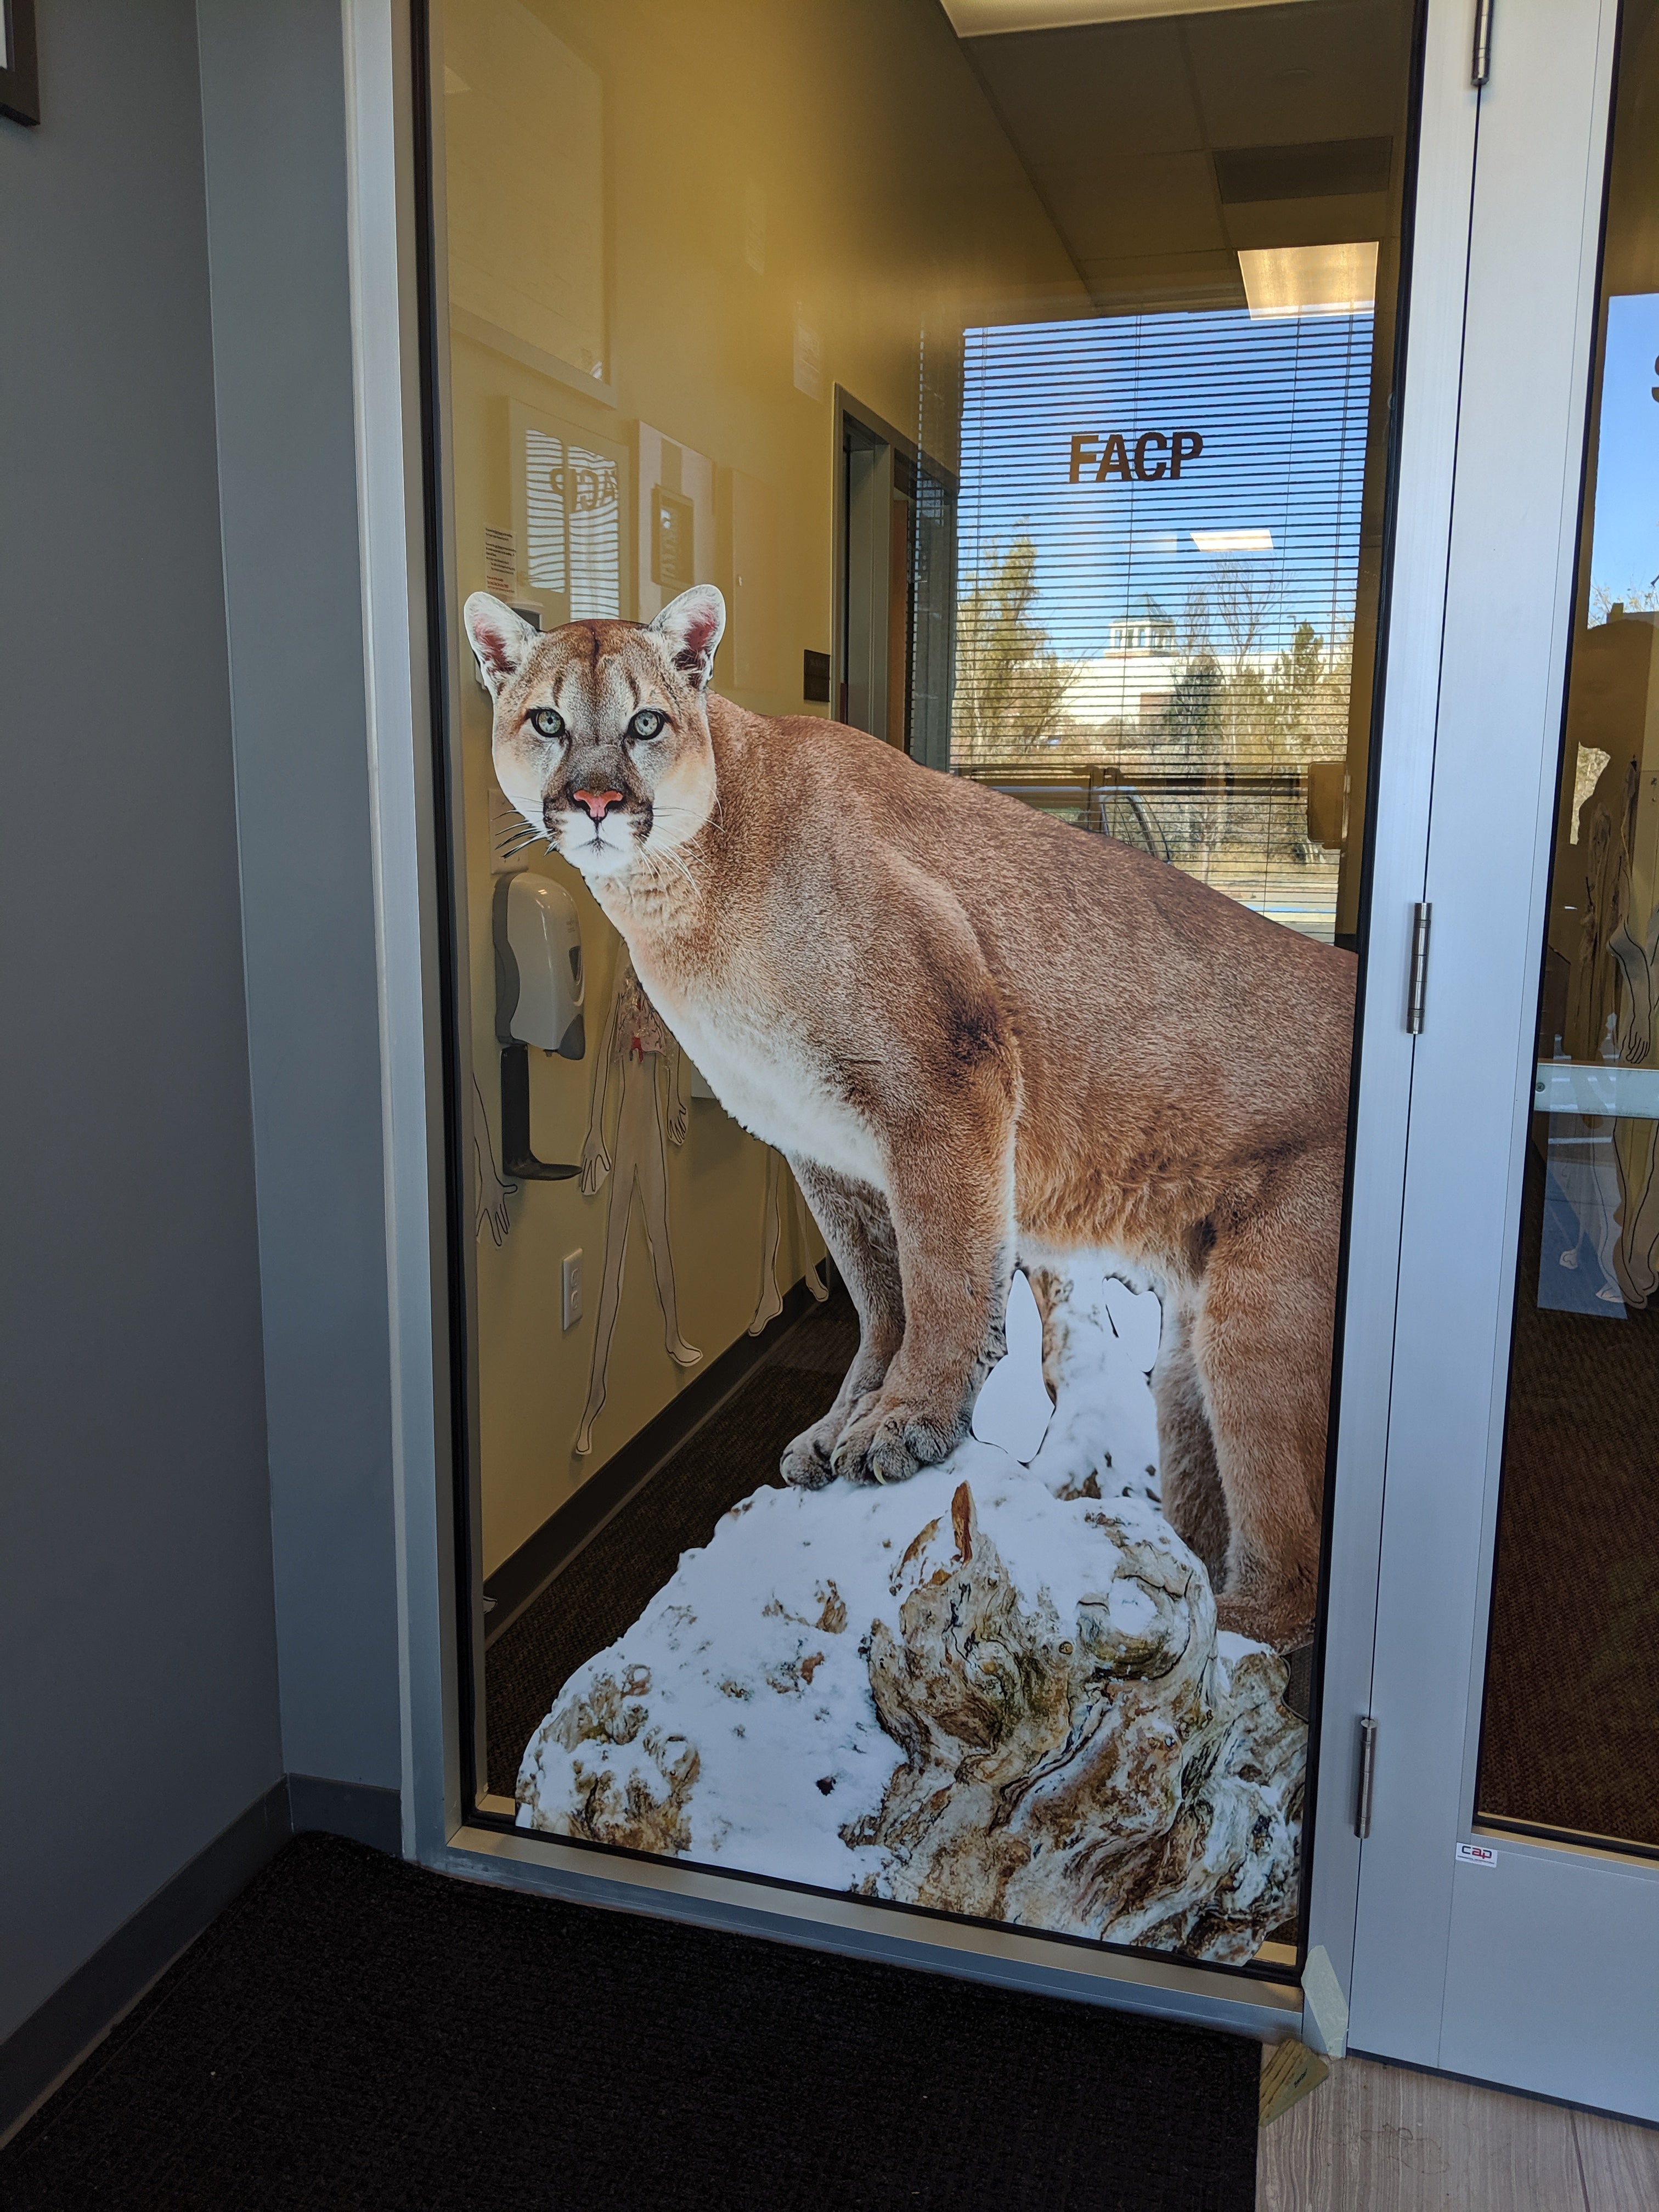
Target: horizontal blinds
[[1158, 539]]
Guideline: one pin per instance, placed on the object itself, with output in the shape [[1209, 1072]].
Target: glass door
[[1508, 1914], [914, 488]]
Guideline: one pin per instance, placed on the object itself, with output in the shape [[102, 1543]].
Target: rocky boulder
[[997, 1689]]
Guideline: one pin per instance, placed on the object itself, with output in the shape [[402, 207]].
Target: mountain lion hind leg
[[1189, 1481], [853, 1220], [1262, 1332]]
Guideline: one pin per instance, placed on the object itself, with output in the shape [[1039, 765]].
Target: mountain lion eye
[[647, 723], [546, 723]]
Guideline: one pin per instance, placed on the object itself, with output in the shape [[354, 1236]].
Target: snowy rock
[[994, 1689]]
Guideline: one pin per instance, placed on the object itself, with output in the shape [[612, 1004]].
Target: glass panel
[[903, 1224], [1571, 1742]]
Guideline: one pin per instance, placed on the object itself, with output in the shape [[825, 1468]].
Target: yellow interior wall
[[851, 154]]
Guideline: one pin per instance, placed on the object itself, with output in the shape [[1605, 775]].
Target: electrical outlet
[[570, 1283]]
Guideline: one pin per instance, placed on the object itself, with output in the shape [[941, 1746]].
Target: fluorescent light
[[977, 19], [1309, 280], [1233, 541]]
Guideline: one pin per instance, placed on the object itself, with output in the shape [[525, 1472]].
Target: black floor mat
[[610, 1582], [354, 2033]]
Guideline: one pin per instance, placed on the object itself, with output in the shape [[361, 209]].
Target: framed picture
[[20, 79]]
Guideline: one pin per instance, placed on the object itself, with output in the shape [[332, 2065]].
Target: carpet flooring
[[1571, 1730], [354, 2034], [612, 1580]]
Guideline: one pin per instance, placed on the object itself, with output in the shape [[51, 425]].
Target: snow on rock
[[992, 1689]]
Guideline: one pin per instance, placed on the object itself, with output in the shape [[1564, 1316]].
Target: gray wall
[[273, 98], [137, 1644]]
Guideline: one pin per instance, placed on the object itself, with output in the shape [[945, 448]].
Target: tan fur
[[982, 1037]]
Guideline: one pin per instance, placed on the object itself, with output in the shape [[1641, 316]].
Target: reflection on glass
[[1569, 1740], [1160, 543], [1025, 396]]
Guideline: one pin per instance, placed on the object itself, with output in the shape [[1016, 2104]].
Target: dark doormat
[[357, 2032]]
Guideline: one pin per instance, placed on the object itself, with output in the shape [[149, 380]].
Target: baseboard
[[54, 2040], [368, 1815], [526, 1573], [51, 2043]]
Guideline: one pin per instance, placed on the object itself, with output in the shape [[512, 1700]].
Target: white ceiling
[[1117, 124]]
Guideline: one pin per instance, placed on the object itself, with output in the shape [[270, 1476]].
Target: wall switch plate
[[570, 1285]]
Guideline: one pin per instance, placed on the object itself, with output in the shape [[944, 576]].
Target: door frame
[[1411, 631], [861, 579], [400, 559], [1533, 1970]]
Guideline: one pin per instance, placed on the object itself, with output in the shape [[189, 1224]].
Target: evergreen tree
[[1010, 681]]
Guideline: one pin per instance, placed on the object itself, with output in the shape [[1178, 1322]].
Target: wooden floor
[[1379, 2138]]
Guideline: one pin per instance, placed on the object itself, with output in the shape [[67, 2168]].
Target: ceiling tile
[[1161, 204], [1132, 282], [1122, 86], [1331, 220], [1319, 71]]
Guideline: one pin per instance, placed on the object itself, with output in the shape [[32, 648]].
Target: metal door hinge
[[1362, 1811], [1417, 988], [1480, 59]]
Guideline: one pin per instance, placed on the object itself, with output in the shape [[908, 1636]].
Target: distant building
[[1134, 680]]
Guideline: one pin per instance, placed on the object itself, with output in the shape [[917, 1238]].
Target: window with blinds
[[1157, 566]]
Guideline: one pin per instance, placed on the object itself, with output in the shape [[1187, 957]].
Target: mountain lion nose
[[598, 803]]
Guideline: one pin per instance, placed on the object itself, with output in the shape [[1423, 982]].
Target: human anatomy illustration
[[491, 1189], [769, 1304], [637, 1049]]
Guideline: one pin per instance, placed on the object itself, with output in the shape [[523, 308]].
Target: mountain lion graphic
[[981, 1038]]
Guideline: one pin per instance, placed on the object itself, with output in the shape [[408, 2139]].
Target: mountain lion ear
[[691, 627], [499, 637]]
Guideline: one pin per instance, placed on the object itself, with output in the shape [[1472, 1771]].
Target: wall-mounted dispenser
[[539, 990]]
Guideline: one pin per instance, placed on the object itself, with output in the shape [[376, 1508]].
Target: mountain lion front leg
[[952, 1202], [854, 1223]]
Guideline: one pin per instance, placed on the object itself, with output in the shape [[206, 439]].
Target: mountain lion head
[[601, 736]]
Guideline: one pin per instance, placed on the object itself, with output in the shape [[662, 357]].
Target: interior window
[[1024, 392]]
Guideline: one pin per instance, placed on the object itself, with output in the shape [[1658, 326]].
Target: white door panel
[[1478, 1971], [1550, 1976]]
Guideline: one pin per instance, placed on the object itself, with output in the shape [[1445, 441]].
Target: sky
[[1625, 547], [1280, 406]]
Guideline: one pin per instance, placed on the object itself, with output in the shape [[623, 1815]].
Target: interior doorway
[[895, 557], [1123, 563]]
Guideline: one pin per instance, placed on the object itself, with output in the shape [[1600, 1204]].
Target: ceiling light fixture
[[1309, 280], [1233, 541]]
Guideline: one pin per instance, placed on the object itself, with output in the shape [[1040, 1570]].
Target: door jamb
[[386, 342]]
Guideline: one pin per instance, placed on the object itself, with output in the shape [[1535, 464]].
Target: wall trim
[[41, 2054], [361, 1810]]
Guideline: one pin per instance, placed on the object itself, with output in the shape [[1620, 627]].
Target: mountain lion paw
[[805, 1462], [889, 1443], [1282, 1622]]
